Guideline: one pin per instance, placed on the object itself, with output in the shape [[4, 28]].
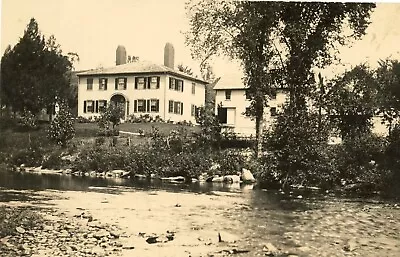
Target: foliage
[[61, 128], [30, 157], [112, 115], [276, 42], [53, 161], [361, 159], [388, 79], [27, 121], [185, 69], [299, 149], [210, 135], [351, 101], [34, 72], [230, 162]]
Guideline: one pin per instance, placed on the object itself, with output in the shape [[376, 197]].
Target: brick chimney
[[120, 56], [169, 55]]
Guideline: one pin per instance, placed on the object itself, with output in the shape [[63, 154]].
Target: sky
[[94, 29]]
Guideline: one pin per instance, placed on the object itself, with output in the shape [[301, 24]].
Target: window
[[193, 88], [102, 84], [175, 107], [222, 115], [228, 94], [120, 83], [102, 105], [88, 106], [89, 84], [140, 83], [140, 105], [154, 105], [176, 84], [273, 111], [193, 110], [154, 82]]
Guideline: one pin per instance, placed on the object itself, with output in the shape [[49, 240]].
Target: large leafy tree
[[34, 72], [276, 42], [351, 101]]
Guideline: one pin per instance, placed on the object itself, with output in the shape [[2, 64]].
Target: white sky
[[94, 29]]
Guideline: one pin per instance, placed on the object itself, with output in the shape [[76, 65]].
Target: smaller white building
[[231, 103]]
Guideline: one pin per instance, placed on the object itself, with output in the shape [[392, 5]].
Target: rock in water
[[247, 176], [20, 230]]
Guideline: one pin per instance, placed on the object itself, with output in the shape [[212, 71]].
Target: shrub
[[110, 118], [27, 121], [53, 161], [31, 157], [61, 129]]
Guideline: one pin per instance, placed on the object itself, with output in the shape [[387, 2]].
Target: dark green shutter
[[97, 106], [148, 106], [136, 82], [148, 82], [158, 105], [135, 106], [105, 84], [84, 106], [127, 108], [125, 83], [116, 83], [158, 82], [170, 83], [182, 85], [181, 108], [99, 83]]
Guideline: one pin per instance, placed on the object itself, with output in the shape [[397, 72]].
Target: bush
[[61, 129], [53, 161], [27, 121], [31, 157]]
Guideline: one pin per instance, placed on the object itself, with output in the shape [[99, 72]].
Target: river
[[250, 221]]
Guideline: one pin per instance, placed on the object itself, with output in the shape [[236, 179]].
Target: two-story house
[[231, 103], [141, 87]]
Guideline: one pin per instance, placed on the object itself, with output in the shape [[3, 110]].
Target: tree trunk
[[259, 128]]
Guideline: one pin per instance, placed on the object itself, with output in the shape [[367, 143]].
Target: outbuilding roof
[[139, 67]]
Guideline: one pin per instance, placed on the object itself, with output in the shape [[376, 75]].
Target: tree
[[351, 101], [388, 79], [61, 128], [34, 72], [277, 43], [185, 69], [110, 116]]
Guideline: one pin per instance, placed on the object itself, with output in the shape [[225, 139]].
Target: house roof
[[139, 67], [230, 81]]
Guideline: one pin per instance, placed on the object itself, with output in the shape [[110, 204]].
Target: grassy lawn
[[90, 129]]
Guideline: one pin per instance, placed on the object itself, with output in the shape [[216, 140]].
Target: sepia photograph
[[199, 128]]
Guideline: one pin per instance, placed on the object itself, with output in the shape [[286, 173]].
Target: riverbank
[[242, 223]]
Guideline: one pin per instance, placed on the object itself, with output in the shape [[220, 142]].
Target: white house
[[141, 87], [232, 101]]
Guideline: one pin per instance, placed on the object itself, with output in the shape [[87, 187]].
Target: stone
[[101, 233], [231, 179], [20, 230], [247, 176], [217, 179], [350, 246], [115, 234], [270, 248], [152, 240]]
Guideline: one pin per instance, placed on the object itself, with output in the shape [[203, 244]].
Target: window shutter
[[99, 83], [127, 108], [148, 82], [97, 106], [105, 84], [116, 83], [158, 105], [158, 82], [170, 83], [182, 85], [84, 106], [125, 83], [136, 82], [148, 106], [105, 104], [135, 106], [182, 107]]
